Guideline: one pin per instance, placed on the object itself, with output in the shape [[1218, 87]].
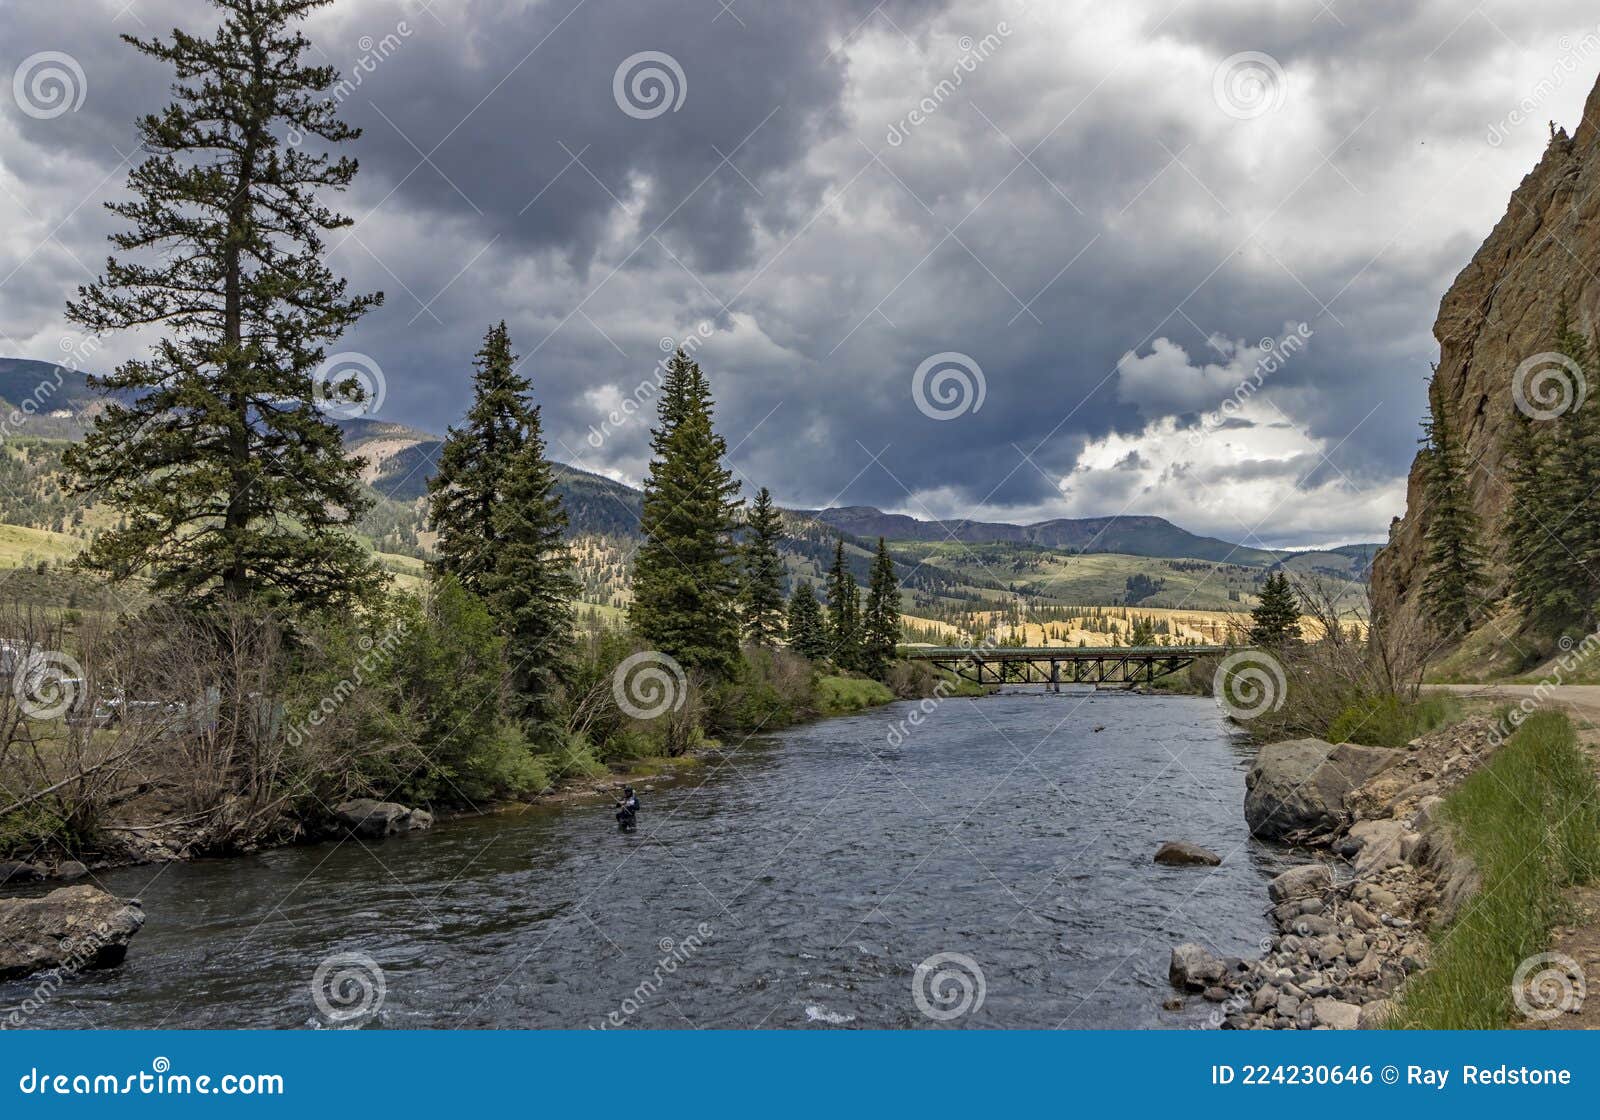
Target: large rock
[[1312, 880], [1181, 853], [1296, 790], [1194, 968], [15, 871], [1336, 1014], [373, 819], [1383, 845], [71, 928], [1501, 312]]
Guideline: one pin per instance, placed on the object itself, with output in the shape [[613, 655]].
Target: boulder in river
[[69, 870], [71, 928], [15, 871], [1311, 880], [1194, 968], [1181, 853], [1296, 790], [373, 820]]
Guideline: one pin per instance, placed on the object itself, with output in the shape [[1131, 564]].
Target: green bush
[[840, 695], [1390, 721], [1530, 819]]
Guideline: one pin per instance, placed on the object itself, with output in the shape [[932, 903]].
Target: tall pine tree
[[1453, 589], [230, 481], [685, 582], [808, 633], [531, 588], [1276, 618], [474, 464], [880, 624], [761, 598], [844, 612]]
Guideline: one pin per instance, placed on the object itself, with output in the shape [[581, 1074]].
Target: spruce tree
[[761, 598], [474, 464], [844, 612], [1453, 588], [1276, 618], [230, 481], [880, 624], [1552, 530], [531, 588], [808, 634], [685, 583]]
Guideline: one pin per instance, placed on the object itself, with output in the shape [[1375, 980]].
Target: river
[[794, 880]]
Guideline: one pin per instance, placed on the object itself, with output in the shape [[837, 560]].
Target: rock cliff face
[[1500, 312]]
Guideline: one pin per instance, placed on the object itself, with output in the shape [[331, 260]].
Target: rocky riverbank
[[1353, 924]]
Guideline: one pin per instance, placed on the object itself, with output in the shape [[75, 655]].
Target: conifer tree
[[808, 634], [474, 463], [1453, 588], [531, 588], [880, 624], [844, 612], [685, 583], [230, 480], [761, 598], [1276, 618], [1552, 530]]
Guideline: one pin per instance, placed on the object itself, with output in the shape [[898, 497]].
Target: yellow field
[[21, 547], [1204, 627]]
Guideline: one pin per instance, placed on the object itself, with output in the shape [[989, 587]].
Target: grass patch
[[1531, 821], [840, 695], [1389, 721]]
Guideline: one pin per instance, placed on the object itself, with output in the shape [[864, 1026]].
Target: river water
[[794, 880]]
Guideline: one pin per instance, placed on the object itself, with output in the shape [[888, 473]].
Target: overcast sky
[[1081, 222]]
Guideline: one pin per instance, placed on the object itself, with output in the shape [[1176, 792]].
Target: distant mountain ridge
[[1132, 536]]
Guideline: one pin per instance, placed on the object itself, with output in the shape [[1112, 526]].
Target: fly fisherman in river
[[628, 810]]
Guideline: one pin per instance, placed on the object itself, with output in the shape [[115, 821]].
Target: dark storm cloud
[[500, 178]]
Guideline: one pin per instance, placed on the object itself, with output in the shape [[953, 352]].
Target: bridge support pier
[[1055, 676]]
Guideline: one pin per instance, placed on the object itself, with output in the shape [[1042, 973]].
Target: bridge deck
[[1119, 666]]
